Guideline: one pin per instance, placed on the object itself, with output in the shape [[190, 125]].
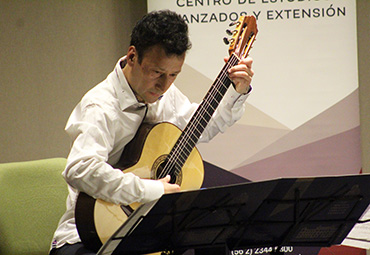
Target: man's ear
[[131, 55]]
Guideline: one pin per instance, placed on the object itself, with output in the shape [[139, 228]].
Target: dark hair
[[165, 28]]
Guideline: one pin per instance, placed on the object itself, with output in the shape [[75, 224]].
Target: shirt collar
[[123, 90]]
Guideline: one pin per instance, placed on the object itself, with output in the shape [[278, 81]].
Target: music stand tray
[[318, 211]]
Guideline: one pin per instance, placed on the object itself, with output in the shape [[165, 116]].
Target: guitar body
[[144, 156]]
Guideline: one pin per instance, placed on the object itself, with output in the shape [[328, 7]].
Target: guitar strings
[[211, 101], [191, 127], [186, 137], [177, 156]]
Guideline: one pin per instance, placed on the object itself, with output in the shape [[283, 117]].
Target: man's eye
[[155, 74]]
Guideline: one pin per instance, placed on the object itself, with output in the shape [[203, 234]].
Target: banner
[[302, 117]]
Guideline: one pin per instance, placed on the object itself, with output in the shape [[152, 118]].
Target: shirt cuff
[[237, 99], [153, 189]]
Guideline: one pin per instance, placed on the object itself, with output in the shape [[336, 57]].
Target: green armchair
[[32, 200]]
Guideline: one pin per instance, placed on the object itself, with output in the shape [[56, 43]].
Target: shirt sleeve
[[87, 170], [176, 108], [230, 110]]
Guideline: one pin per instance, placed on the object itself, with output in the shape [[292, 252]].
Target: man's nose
[[164, 82]]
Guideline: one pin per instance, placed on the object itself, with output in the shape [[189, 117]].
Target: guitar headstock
[[243, 36]]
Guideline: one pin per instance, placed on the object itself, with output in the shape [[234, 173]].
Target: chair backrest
[[32, 200]]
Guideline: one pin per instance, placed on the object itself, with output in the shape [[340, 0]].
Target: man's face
[[155, 74]]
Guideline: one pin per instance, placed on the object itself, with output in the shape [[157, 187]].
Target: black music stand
[[318, 211]]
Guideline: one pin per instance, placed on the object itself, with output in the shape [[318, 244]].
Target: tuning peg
[[234, 23], [227, 41], [229, 32]]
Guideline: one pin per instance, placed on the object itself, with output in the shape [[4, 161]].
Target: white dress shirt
[[100, 126]]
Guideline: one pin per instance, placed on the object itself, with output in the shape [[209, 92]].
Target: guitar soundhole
[[159, 167]]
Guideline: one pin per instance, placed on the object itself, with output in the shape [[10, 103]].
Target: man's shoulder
[[101, 94]]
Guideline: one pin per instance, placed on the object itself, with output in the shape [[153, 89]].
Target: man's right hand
[[169, 187]]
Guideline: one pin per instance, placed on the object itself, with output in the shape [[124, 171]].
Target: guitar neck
[[200, 119]]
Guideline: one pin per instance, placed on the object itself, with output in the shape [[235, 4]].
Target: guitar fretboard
[[194, 129]]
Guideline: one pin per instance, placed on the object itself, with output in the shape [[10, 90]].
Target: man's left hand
[[241, 75]]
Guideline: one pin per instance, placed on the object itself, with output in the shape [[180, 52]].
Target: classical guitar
[[163, 149]]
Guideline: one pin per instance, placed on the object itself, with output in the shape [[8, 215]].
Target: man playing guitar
[[139, 89]]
